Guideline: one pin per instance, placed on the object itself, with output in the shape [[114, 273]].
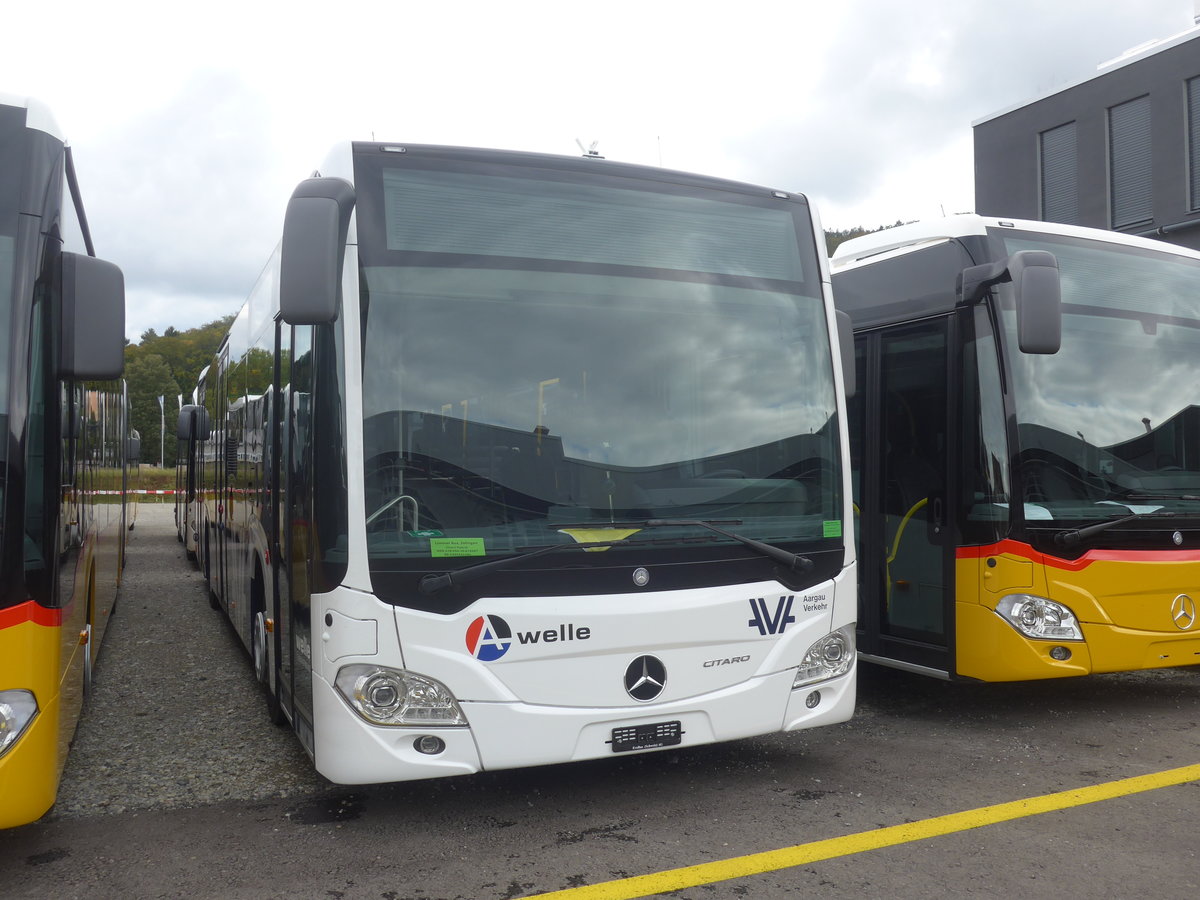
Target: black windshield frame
[[675, 552], [1110, 425]]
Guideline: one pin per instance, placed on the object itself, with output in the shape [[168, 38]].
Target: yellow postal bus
[[62, 450], [1025, 448]]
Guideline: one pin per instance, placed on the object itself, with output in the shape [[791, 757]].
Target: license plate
[[646, 737]]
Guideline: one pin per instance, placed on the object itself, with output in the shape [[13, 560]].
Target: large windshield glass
[[6, 285], [6, 279], [11, 162], [1110, 425], [546, 357]]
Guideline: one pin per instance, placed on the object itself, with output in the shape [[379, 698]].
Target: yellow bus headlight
[[1039, 618], [17, 710]]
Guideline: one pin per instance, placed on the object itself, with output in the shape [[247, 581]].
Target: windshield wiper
[[1143, 495], [1072, 536], [432, 583], [794, 561]]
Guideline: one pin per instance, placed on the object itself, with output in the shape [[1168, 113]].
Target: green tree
[[186, 353], [149, 377], [835, 237]]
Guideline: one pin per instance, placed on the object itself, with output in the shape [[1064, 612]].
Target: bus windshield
[[1110, 425], [550, 361]]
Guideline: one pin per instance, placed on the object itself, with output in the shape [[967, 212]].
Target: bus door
[[900, 459], [220, 434], [292, 515], [299, 518], [277, 430]]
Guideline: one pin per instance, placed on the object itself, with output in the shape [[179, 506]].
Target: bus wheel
[[262, 668], [258, 646], [212, 595], [87, 661]]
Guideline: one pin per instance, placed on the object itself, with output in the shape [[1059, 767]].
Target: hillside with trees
[[835, 237], [167, 365]]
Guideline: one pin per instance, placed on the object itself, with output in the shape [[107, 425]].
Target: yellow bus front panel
[[30, 660], [1135, 610]]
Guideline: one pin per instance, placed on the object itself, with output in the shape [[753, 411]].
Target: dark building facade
[[1120, 150]]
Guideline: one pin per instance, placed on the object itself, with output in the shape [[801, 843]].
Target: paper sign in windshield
[[442, 547]]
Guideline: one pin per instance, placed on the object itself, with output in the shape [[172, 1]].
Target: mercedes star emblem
[[645, 678], [1183, 613]]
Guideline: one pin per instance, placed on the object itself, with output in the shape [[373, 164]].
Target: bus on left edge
[[63, 447]]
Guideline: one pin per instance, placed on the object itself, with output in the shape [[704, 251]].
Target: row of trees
[[167, 366]]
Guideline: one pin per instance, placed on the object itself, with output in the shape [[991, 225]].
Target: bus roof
[[566, 161], [905, 238], [37, 114]]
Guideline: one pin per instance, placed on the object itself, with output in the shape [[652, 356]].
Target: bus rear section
[[1026, 448], [527, 459]]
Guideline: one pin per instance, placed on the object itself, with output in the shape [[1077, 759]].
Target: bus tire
[[212, 595], [87, 662], [262, 668]]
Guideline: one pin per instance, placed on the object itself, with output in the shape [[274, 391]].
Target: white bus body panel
[[558, 701]]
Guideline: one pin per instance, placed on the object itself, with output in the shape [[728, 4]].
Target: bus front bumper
[[504, 735]]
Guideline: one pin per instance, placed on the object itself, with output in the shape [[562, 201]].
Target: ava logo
[[488, 638], [772, 623]]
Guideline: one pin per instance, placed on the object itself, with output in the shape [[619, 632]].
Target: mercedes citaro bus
[[63, 447], [513, 459], [1025, 445]]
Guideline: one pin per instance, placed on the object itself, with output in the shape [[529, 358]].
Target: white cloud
[[191, 124]]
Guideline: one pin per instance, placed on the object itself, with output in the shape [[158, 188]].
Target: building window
[[1131, 193], [1193, 132], [1059, 191]]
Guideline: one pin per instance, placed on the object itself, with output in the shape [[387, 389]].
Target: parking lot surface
[[179, 786]]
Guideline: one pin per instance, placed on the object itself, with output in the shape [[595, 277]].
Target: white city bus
[[515, 459]]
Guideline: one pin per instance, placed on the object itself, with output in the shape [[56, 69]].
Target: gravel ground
[[176, 718]]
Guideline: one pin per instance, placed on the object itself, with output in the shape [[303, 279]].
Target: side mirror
[[186, 423], [93, 318], [313, 249], [1037, 291], [192, 424], [845, 331]]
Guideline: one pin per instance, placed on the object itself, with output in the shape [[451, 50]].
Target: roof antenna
[[589, 152]]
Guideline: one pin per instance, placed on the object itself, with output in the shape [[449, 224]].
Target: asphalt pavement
[[179, 786]]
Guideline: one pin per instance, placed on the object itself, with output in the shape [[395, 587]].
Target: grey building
[[1119, 150]]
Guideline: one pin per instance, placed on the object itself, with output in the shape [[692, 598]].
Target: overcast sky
[[192, 123]]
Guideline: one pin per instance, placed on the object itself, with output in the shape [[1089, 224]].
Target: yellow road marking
[[787, 857]]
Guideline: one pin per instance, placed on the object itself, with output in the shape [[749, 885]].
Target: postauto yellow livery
[[1025, 448], [63, 446]]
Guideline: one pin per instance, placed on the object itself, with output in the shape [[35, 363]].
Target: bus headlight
[[1039, 618], [386, 696], [17, 710], [831, 656]]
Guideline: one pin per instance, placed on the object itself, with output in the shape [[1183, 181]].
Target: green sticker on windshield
[[456, 547], [832, 529]]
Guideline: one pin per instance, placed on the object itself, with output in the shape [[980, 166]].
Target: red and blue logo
[[488, 638]]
